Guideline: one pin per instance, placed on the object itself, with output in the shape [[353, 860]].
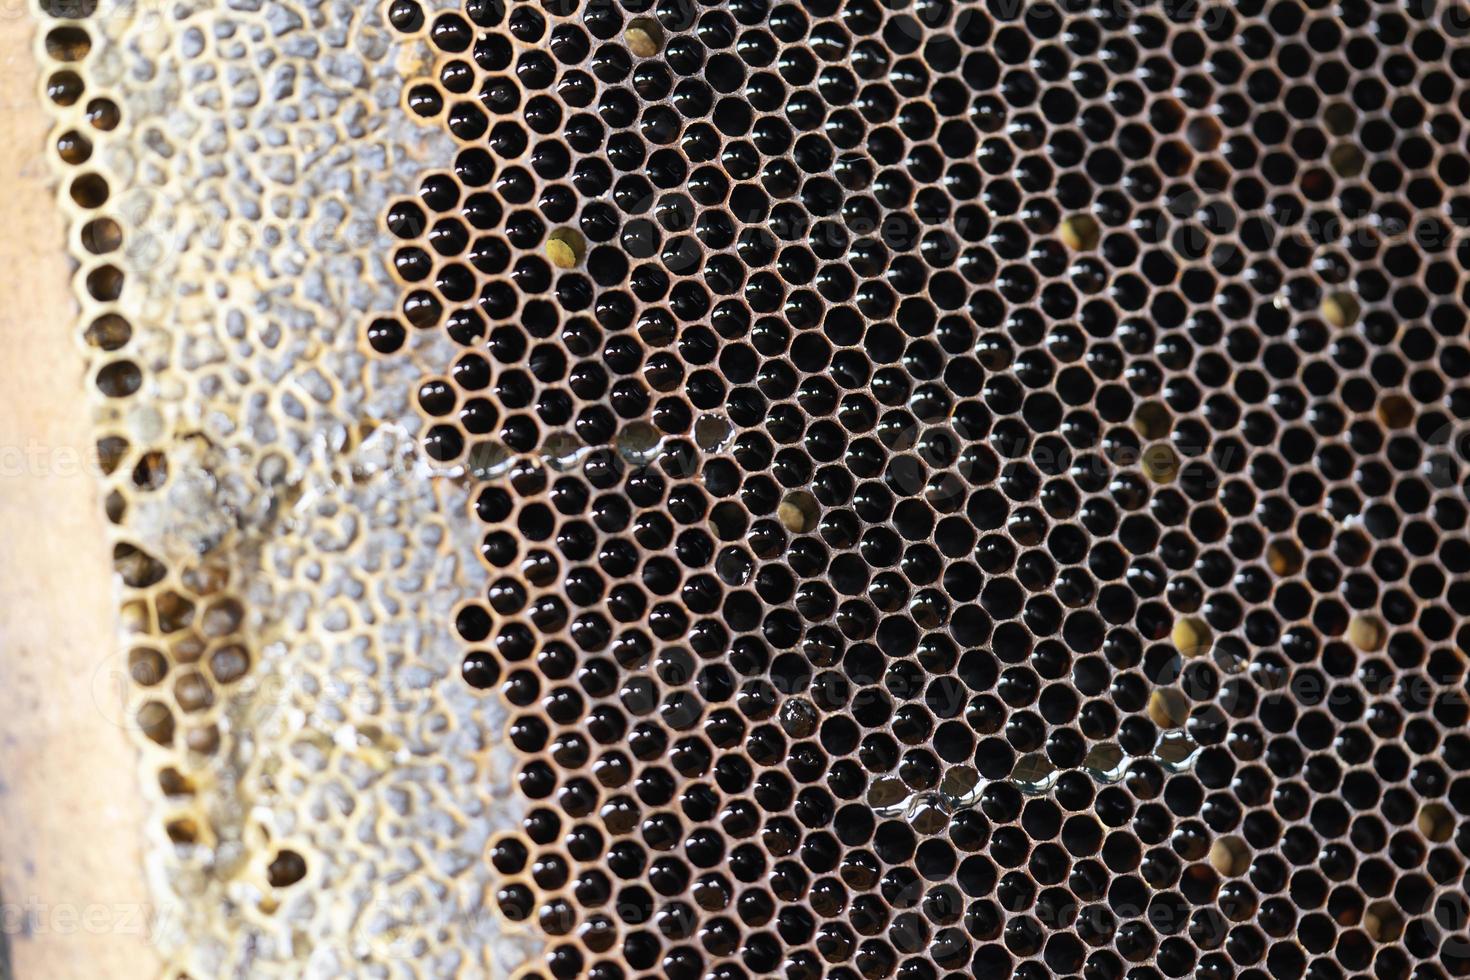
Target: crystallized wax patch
[[321, 781], [840, 489]]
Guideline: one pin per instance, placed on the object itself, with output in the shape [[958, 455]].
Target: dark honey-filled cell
[[968, 488]]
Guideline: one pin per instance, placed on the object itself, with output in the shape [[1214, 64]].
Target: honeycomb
[[826, 490], [968, 489]]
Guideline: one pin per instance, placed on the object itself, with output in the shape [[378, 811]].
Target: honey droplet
[[1347, 160], [1192, 636], [798, 718], [1034, 774], [562, 451], [73, 148], [1161, 463], [488, 460], [1229, 658], [1396, 412], [1080, 232], [1383, 922], [798, 511], [888, 796], [1176, 751], [927, 814], [1436, 823], [961, 787], [712, 432], [644, 36], [1105, 762], [1341, 309], [1367, 633], [639, 443], [1168, 708], [1153, 420], [1340, 118], [1284, 557], [1230, 856], [565, 247]]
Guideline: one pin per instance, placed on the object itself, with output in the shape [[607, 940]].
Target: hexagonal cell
[[858, 396]]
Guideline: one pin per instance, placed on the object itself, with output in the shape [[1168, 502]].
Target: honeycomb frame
[[927, 489]]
